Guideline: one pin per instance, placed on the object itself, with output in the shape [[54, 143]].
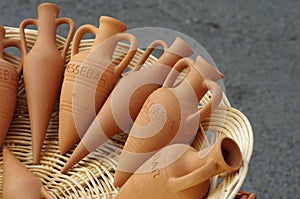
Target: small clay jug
[[170, 114], [43, 70], [9, 77], [90, 75], [133, 89], [19, 182], [180, 171]]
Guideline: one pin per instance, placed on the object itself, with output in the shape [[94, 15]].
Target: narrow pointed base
[[79, 153], [67, 135], [37, 145]]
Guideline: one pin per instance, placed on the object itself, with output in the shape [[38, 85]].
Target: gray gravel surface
[[256, 45]]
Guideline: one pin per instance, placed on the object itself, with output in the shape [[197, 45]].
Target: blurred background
[[255, 44]]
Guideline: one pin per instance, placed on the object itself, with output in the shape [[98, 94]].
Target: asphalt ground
[[255, 44]]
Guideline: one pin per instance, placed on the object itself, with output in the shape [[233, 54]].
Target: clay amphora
[[9, 76], [19, 182], [133, 89], [170, 114], [90, 75], [179, 171], [43, 70]]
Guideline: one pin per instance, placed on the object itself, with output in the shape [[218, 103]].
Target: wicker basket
[[93, 176]]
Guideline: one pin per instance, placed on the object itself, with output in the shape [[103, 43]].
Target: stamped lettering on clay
[[155, 163], [82, 71], [158, 113], [6, 75]]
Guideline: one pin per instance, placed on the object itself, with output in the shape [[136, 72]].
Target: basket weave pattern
[[93, 176]]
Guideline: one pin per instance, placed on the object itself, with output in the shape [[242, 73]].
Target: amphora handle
[[195, 177], [2, 36], [82, 30], [130, 53], [22, 27], [71, 24], [217, 93], [15, 43], [210, 76], [148, 52], [4, 43], [215, 99], [176, 70], [224, 156]]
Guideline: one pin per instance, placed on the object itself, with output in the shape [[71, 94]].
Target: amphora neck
[[108, 27]]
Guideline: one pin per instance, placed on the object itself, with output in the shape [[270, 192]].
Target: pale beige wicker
[[93, 176]]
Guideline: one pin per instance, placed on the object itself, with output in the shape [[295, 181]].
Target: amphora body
[[124, 103], [90, 77], [170, 114], [43, 70], [179, 171], [9, 76], [19, 182]]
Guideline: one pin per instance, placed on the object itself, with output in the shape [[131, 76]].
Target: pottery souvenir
[[19, 182], [43, 70], [179, 171], [133, 89], [9, 76], [90, 76], [170, 114]]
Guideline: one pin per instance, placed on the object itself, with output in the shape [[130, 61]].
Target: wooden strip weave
[[93, 176]]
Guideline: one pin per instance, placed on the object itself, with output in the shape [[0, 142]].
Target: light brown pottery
[[170, 114], [9, 76], [179, 171], [43, 70], [123, 105], [18, 181], [90, 76]]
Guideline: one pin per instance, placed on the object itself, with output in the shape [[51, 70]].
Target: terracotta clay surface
[[9, 76], [19, 182], [127, 98], [90, 74], [179, 171], [170, 114], [43, 70]]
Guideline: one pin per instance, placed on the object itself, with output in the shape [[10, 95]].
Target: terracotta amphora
[[18, 181], [43, 70], [179, 171], [133, 90], [90, 75], [170, 114], [9, 76]]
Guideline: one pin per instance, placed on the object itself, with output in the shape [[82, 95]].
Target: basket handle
[[130, 53], [16, 43], [82, 30], [71, 24], [22, 27], [176, 70], [148, 51]]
